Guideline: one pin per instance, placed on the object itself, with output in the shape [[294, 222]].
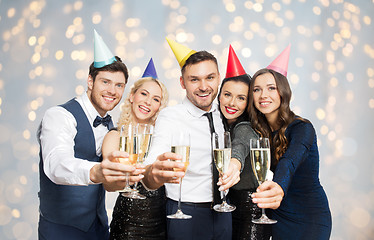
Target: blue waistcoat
[[75, 206]]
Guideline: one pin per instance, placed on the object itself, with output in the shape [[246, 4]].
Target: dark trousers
[[52, 231], [205, 223]]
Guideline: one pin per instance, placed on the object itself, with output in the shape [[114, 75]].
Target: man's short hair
[[199, 57], [116, 66]]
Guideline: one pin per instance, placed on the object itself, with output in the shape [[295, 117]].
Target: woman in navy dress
[[304, 211]]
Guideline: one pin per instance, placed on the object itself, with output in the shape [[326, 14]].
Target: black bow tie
[[105, 121]]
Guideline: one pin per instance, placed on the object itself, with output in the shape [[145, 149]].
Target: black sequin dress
[[140, 218]]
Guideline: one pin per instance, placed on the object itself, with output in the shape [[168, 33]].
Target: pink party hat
[[234, 67], [280, 64]]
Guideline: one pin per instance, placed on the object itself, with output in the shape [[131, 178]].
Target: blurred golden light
[[294, 79], [331, 68], [257, 7], [23, 180], [1, 67], [16, 213], [5, 215], [38, 48], [331, 136], [315, 77], [175, 4], [270, 16], [32, 116], [317, 45], [32, 40], [35, 58], [248, 5], [371, 103], [77, 21], [216, 39], [317, 10], [79, 90], [96, 18], [78, 39], [367, 20], [26, 134], [134, 36], [116, 8], [279, 22], [41, 40], [255, 27], [80, 74], [34, 104], [36, 23], [371, 83], [248, 35], [11, 12], [320, 113], [246, 52], [59, 54], [6, 35], [289, 15], [135, 71], [276, 6], [334, 82], [345, 33], [181, 37], [331, 101], [336, 14], [350, 77], [359, 217], [230, 7], [370, 72], [324, 130], [38, 70], [181, 19], [349, 96]]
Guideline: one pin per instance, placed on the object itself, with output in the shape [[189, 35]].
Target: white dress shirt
[[197, 183], [56, 135]]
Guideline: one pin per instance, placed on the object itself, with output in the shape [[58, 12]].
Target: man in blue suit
[[72, 172]]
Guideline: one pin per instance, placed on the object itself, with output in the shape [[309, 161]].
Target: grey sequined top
[[241, 134]]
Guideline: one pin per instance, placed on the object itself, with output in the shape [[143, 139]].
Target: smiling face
[[201, 82], [233, 100], [106, 91], [146, 101], [266, 97]]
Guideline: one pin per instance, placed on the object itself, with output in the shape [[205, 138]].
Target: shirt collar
[[195, 111], [90, 109]]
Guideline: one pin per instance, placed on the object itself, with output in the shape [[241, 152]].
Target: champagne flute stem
[[180, 195], [127, 180], [224, 197]]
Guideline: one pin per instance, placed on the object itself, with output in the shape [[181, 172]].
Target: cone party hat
[[280, 64], [234, 67], [150, 70], [102, 55], [181, 52]]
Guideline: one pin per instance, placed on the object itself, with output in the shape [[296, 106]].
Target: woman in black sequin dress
[[233, 102], [139, 218]]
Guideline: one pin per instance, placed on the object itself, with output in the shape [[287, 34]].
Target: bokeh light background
[[47, 46]]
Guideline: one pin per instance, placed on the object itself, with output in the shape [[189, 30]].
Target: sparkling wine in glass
[[180, 144], [260, 160], [222, 157], [128, 143], [144, 136]]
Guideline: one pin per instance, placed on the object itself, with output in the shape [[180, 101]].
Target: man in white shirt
[[72, 173], [200, 78]]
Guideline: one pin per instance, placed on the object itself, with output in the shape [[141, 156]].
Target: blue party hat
[[102, 55], [150, 70]]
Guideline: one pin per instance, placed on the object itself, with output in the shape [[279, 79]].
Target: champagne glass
[[260, 160], [128, 143], [222, 157], [180, 144], [144, 136]]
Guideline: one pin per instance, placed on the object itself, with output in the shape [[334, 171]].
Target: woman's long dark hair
[[258, 120], [246, 79]]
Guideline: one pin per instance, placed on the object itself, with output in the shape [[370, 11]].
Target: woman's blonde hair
[[126, 116]]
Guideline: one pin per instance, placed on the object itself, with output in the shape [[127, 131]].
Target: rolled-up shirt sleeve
[[56, 135]]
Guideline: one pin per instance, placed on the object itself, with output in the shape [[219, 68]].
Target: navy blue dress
[[304, 211]]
